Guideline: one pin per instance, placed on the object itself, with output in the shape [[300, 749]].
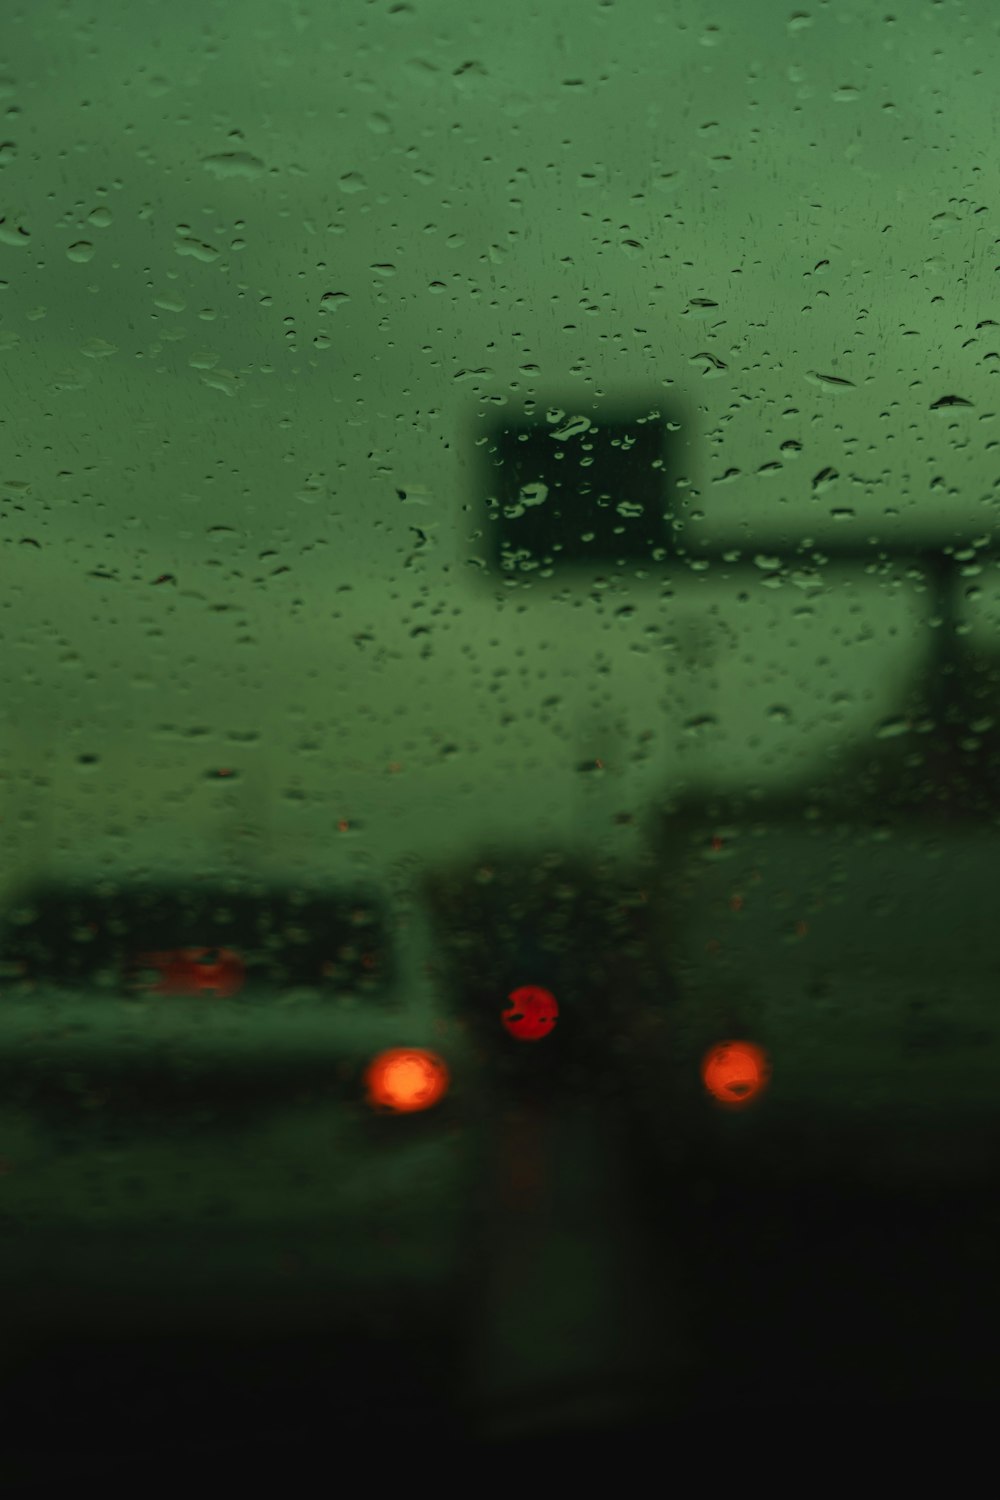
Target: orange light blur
[[532, 1013], [406, 1079], [735, 1073]]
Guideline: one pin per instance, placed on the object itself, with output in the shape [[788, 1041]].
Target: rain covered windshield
[[499, 703]]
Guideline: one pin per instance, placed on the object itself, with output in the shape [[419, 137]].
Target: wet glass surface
[[500, 776]]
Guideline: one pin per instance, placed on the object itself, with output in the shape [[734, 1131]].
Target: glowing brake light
[[532, 1013], [406, 1079], [735, 1073], [184, 971]]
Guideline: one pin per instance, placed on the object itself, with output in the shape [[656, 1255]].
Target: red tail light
[[406, 1079], [532, 1013], [735, 1073], [184, 972]]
